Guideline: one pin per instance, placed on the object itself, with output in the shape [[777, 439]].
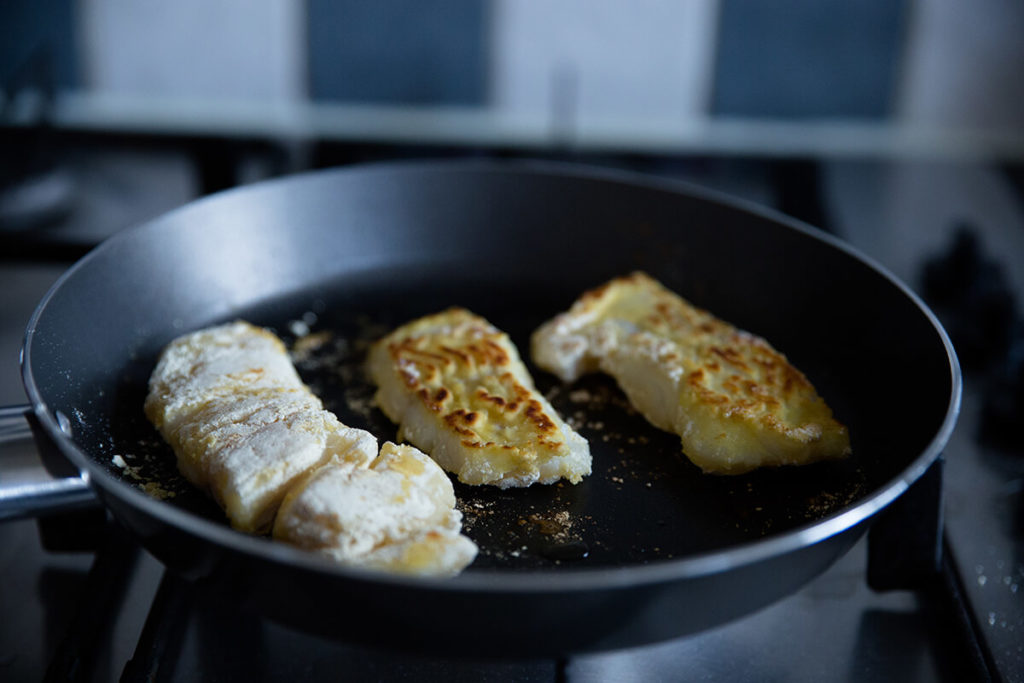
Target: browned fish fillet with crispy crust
[[736, 402], [458, 390]]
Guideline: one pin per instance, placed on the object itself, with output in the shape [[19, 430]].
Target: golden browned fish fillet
[[736, 402], [246, 429], [458, 390]]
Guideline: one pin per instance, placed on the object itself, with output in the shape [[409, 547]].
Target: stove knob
[[1003, 407], [973, 298], [952, 272]]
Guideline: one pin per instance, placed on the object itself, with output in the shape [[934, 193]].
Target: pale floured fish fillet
[[246, 429], [397, 514]]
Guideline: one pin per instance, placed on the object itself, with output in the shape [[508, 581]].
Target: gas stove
[[83, 602]]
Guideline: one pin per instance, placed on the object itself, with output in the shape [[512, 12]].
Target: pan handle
[[27, 489]]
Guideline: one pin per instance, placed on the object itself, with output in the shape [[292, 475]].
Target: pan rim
[[559, 579]]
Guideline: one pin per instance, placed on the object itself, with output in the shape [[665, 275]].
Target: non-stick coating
[[352, 253]]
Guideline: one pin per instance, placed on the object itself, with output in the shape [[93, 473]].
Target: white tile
[[649, 59], [221, 49]]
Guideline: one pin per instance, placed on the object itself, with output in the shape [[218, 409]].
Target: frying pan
[[646, 548]]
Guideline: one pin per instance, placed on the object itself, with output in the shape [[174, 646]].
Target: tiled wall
[[925, 60]]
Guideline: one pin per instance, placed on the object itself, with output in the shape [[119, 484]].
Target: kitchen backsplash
[[933, 61]]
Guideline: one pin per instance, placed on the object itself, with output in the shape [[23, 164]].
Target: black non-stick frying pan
[[647, 547]]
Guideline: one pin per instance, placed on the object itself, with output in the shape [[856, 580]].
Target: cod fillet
[[246, 430], [459, 391], [397, 515], [736, 403]]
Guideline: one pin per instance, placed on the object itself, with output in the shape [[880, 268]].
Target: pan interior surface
[[516, 248], [643, 502]]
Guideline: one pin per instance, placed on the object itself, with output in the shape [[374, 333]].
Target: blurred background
[[112, 111], [896, 125]]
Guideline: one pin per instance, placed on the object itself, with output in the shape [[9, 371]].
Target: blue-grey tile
[[808, 58], [37, 44], [398, 51]]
